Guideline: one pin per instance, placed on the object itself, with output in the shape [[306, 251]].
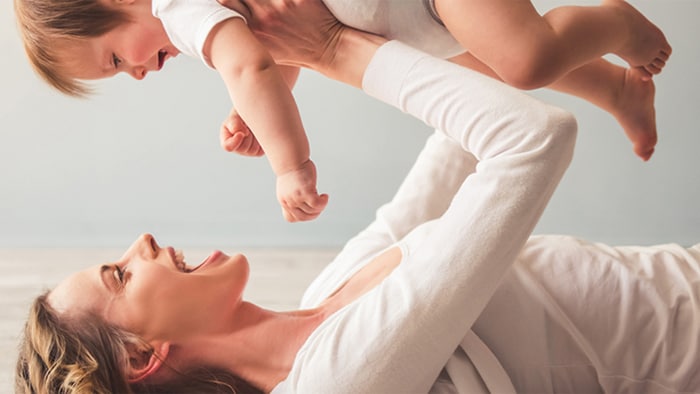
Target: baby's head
[[69, 41], [52, 29]]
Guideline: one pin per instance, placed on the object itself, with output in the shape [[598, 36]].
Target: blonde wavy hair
[[48, 28], [84, 354]]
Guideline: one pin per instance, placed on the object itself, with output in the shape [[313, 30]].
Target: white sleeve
[[428, 188], [189, 22], [398, 336]]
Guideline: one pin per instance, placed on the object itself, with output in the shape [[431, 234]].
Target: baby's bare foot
[[647, 49], [634, 110]]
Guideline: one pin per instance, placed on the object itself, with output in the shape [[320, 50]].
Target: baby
[[72, 40]]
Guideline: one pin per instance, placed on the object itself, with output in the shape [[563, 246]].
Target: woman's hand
[[304, 33], [296, 32]]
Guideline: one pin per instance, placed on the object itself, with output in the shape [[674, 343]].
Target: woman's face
[[151, 293]]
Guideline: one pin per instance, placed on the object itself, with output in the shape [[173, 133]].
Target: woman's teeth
[[180, 261], [182, 265]]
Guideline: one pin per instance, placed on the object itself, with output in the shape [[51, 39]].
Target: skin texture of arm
[[290, 75], [260, 93], [235, 136], [263, 98], [303, 33]]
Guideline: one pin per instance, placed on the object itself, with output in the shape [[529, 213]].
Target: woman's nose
[[149, 243], [145, 247]]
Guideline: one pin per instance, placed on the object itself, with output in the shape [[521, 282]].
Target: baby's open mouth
[[161, 58]]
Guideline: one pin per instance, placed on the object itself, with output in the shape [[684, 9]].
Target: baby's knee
[[531, 69]]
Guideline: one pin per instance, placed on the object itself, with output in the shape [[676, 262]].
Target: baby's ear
[[145, 362]]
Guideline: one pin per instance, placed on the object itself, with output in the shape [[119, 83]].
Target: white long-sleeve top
[[574, 316], [457, 238]]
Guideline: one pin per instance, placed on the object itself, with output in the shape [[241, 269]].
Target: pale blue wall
[[145, 157]]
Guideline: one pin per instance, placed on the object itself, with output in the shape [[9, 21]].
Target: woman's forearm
[[452, 270], [451, 267], [290, 75], [351, 53], [303, 33]]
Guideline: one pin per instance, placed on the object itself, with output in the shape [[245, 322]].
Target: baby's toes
[[645, 154], [652, 69], [641, 73], [656, 65], [665, 54]]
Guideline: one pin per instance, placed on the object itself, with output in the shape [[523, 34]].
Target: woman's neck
[[261, 345]]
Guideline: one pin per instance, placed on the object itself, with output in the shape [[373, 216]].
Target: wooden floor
[[277, 280]]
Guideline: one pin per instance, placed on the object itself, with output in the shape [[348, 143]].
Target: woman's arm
[[290, 74], [303, 33], [398, 336], [451, 269]]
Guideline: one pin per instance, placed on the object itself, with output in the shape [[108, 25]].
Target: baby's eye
[[115, 60]]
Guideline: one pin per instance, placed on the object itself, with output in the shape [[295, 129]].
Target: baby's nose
[[138, 73]]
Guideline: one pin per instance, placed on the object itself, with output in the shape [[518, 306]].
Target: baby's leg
[[528, 50], [614, 89], [621, 92]]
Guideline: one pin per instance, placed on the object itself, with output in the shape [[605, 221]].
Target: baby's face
[[137, 47]]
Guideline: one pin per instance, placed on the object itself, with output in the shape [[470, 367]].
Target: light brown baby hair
[[48, 28]]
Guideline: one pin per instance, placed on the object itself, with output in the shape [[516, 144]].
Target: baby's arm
[[235, 136], [264, 100]]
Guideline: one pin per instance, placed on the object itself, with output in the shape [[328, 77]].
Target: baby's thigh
[[504, 20]]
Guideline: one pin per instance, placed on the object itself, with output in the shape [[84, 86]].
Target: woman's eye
[[118, 274], [116, 61]]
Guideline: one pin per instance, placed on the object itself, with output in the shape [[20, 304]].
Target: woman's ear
[[145, 362]]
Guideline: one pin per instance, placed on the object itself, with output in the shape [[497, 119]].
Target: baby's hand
[[235, 136], [297, 194]]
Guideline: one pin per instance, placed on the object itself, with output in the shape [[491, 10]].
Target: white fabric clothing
[[581, 317], [189, 22], [459, 226], [413, 22]]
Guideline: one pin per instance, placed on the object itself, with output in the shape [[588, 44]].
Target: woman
[[392, 313]]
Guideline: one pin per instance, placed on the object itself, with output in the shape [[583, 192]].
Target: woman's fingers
[[296, 32]]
